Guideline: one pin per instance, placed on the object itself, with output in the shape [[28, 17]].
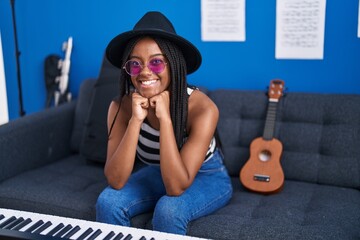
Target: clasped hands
[[160, 103]]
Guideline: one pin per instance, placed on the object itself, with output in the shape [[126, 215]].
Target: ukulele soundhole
[[265, 155]]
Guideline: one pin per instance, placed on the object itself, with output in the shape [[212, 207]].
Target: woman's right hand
[[140, 106]]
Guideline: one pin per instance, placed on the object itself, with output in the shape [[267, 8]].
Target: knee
[[166, 207], [104, 205], [109, 211], [170, 215]]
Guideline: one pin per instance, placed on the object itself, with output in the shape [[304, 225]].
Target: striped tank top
[[148, 148]]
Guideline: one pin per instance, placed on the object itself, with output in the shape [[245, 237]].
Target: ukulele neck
[[270, 120]]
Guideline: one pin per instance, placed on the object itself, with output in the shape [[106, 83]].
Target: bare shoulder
[[199, 101], [202, 107], [116, 106], [113, 107]]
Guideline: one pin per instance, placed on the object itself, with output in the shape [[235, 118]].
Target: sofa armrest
[[35, 140]]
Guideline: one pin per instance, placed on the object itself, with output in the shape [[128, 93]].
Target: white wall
[[4, 113]]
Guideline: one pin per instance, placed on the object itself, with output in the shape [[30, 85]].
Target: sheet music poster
[[300, 28], [223, 20]]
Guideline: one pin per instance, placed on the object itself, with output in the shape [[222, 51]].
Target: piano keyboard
[[16, 224]]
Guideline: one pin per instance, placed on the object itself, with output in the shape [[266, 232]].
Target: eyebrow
[[151, 56]]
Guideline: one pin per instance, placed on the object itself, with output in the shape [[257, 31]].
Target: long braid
[[124, 79], [178, 86]]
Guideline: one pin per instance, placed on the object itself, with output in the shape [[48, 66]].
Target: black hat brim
[[116, 47]]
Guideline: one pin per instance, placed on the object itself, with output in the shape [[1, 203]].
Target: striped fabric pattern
[[148, 148]]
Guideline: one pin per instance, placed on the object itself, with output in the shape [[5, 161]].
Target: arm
[[180, 168], [123, 140]]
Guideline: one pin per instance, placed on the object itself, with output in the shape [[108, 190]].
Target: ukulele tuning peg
[[285, 91]]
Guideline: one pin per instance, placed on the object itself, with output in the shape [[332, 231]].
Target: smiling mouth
[[148, 82]]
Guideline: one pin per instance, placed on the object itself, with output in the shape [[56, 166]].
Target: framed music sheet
[[300, 26], [223, 20]]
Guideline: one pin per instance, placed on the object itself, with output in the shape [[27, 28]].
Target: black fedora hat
[[153, 24]]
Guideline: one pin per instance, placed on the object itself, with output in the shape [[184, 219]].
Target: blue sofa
[[52, 162]]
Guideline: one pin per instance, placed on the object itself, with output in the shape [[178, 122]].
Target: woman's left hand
[[161, 103]]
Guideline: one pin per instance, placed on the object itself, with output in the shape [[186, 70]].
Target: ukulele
[[263, 172]]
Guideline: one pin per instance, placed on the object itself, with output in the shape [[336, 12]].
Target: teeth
[[149, 82]]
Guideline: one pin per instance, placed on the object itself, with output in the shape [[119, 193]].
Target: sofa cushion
[[301, 211], [81, 113], [94, 141], [68, 188], [35, 140], [320, 133], [321, 138]]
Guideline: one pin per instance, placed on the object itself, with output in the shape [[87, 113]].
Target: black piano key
[[85, 234], [142, 238], [43, 227], [128, 237], [35, 226], [22, 224], [55, 229], [95, 234], [9, 220], [1, 217], [72, 232], [109, 236], [14, 223], [63, 231], [119, 236], [6, 234]]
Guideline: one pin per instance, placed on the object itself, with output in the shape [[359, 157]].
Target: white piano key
[[84, 225]]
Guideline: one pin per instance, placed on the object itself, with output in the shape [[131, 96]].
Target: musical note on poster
[[223, 20], [300, 28]]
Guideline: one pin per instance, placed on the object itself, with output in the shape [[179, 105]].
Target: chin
[[148, 94]]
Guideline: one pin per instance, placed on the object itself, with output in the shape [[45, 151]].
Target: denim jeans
[[145, 192]]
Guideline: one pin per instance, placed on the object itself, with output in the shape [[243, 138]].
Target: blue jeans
[[145, 192]]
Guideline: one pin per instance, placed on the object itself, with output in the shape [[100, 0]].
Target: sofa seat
[[68, 188], [300, 211]]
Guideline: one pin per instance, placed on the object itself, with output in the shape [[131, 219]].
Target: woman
[[169, 126]]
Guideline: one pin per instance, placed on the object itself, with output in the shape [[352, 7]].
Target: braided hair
[[178, 88], [178, 85]]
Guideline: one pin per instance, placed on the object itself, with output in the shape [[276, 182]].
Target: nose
[[146, 70]]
